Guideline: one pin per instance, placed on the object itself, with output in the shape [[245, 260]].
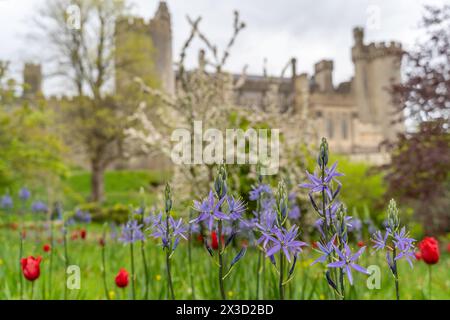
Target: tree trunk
[[97, 184]]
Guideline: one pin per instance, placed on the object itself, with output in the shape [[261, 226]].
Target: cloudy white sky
[[309, 30]]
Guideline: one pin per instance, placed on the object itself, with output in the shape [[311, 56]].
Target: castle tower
[[323, 75], [161, 33], [361, 89], [32, 79], [133, 54], [377, 67]]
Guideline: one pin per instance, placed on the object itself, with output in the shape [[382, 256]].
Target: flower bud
[[220, 183], [393, 218], [282, 202], [168, 198], [322, 159]]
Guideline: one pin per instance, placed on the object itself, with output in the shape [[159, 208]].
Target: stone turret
[[377, 66], [150, 43], [32, 79], [161, 33], [323, 75]]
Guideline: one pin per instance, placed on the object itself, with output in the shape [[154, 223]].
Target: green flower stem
[[168, 252], [66, 263], [191, 274], [144, 260], [397, 289], [133, 275], [258, 267], [105, 286], [219, 234], [280, 282], [429, 281], [20, 266]]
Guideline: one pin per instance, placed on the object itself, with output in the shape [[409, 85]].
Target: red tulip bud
[[30, 267], [122, 278], [429, 249]]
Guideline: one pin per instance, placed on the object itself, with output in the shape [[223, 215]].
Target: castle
[[355, 115]]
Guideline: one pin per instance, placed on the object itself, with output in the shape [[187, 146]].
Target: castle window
[[329, 128], [344, 129]]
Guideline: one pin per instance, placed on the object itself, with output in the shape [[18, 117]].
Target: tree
[[84, 48], [419, 171], [30, 151], [206, 94]]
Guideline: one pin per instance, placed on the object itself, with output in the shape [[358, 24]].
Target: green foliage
[[361, 188], [30, 151]]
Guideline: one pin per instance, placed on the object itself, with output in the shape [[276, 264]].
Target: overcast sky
[[309, 30]]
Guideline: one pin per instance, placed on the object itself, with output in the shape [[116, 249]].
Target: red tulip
[[30, 267], [448, 247], [360, 244], [122, 278], [101, 242], [314, 244], [46, 247], [214, 240], [418, 255], [83, 234], [429, 249]]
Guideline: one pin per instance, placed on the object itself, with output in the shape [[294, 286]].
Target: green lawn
[[120, 186]]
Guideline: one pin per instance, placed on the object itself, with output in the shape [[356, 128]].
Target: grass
[[121, 186], [308, 283]]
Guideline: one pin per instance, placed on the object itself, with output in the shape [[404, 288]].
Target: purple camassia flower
[[148, 220], [326, 250], [331, 218], [267, 205], [113, 233], [39, 207], [6, 202], [258, 191], [379, 240], [294, 213], [348, 261], [285, 240], [354, 224], [209, 210], [131, 232], [227, 230], [405, 245], [316, 184], [235, 207], [177, 230], [249, 224], [83, 216], [24, 194], [266, 227], [195, 228]]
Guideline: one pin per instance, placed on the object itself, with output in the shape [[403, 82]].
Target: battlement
[[323, 65], [131, 23], [374, 49]]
